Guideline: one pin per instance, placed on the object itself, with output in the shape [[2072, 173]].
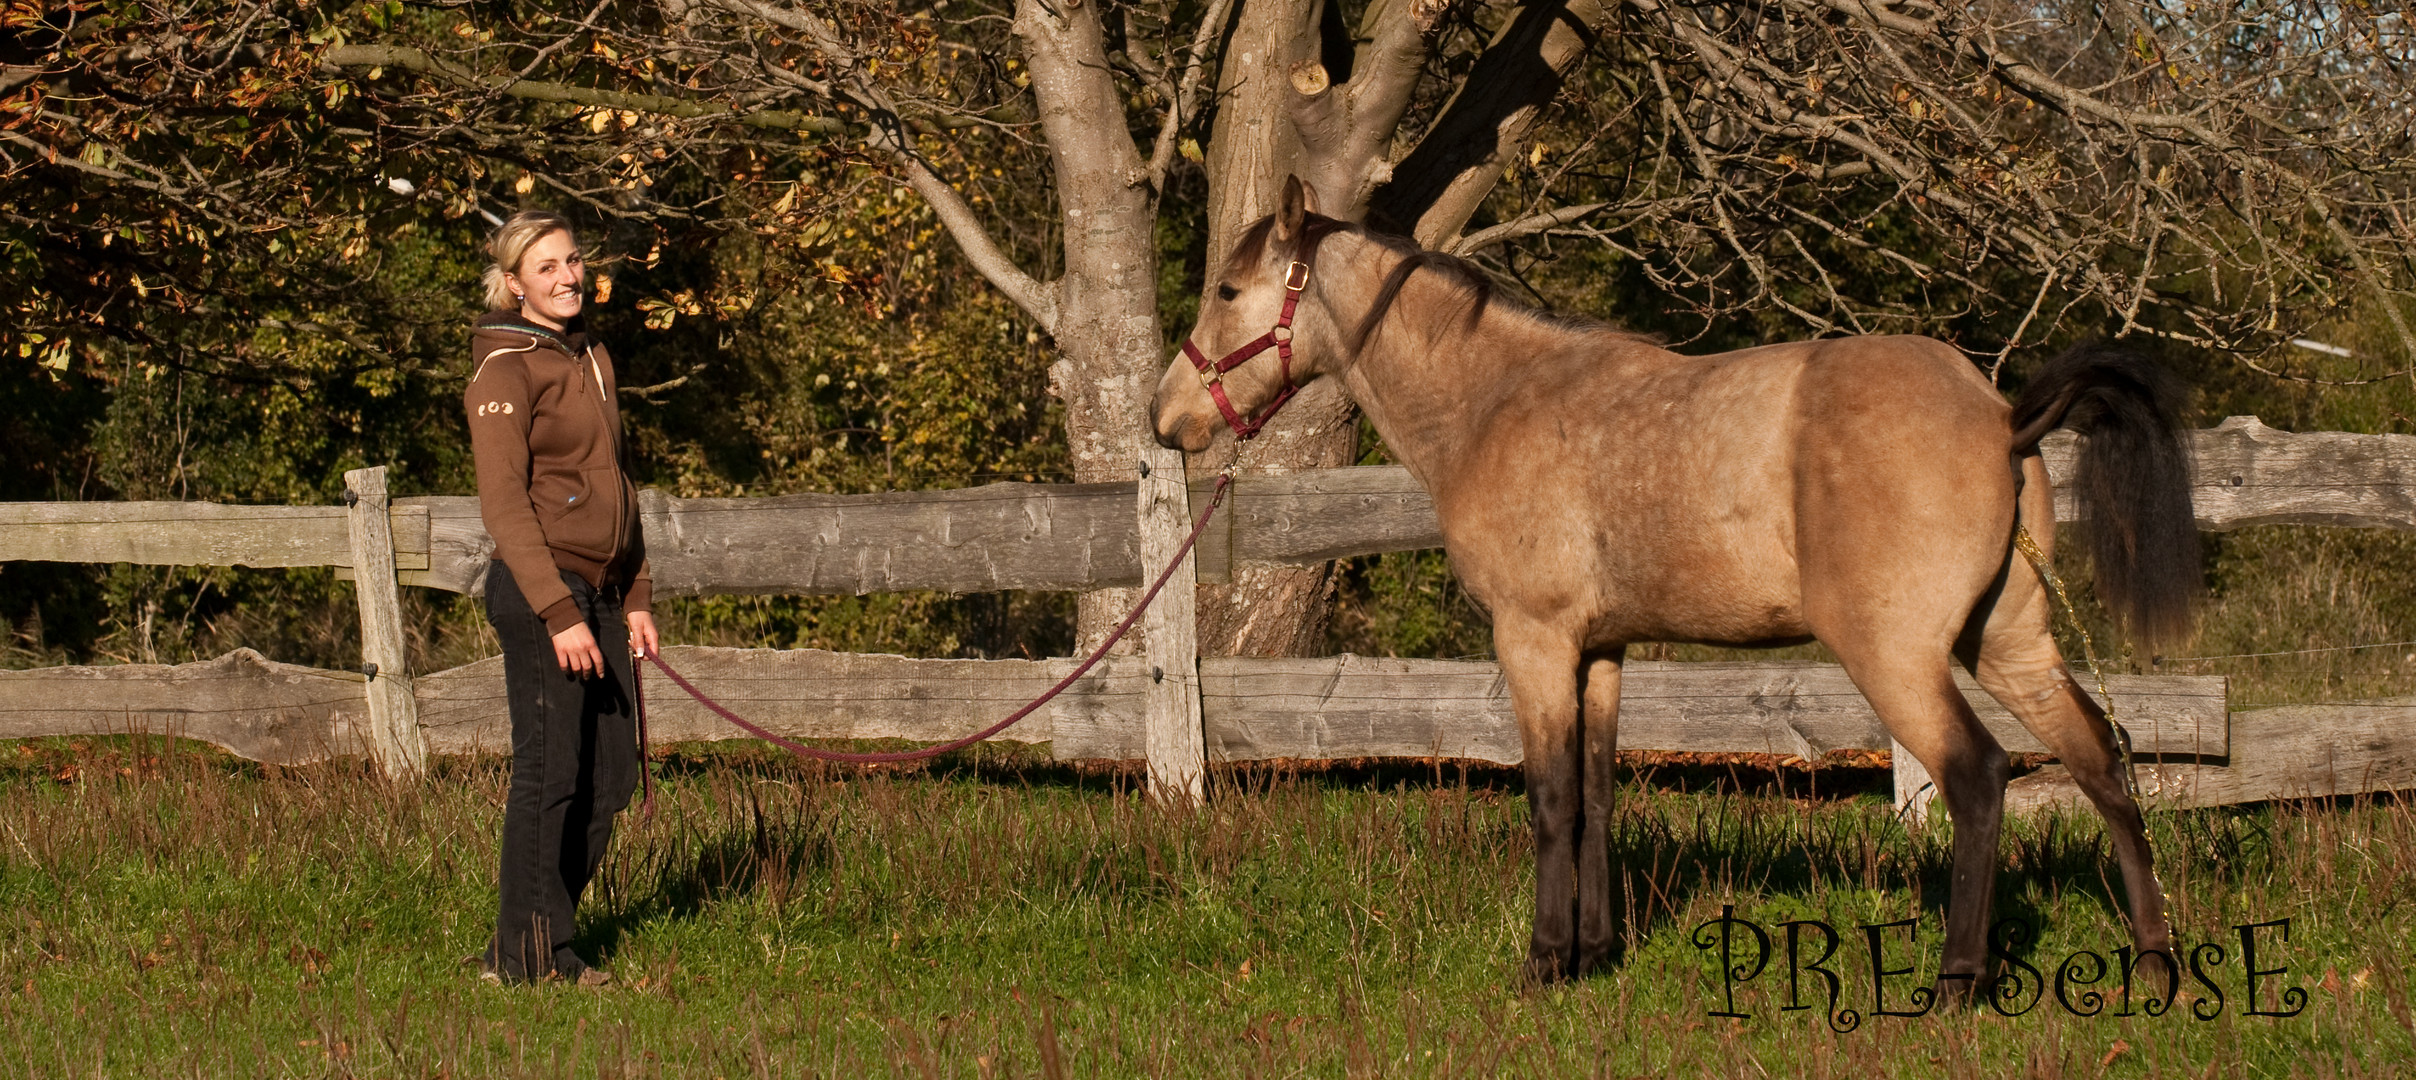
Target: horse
[[1596, 490]]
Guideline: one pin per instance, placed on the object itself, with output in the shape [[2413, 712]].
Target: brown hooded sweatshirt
[[546, 432]]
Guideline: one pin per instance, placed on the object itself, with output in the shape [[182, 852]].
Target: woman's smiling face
[[550, 280]]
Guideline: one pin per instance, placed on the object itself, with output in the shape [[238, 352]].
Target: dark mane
[[1472, 283]]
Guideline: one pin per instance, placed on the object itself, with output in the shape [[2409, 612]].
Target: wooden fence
[[1085, 536]]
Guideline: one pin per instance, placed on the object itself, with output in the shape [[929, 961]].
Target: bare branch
[[1186, 99], [1489, 119], [415, 60], [1526, 226]]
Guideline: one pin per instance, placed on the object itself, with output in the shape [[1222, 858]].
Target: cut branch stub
[[1309, 77]]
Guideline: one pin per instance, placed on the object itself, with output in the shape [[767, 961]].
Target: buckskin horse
[[1596, 490]]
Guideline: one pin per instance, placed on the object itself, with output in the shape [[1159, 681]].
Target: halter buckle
[[1210, 376], [1296, 276]]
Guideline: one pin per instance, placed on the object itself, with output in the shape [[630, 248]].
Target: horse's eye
[[1226, 292]]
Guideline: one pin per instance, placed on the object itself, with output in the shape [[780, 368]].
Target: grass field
[[166, 911]]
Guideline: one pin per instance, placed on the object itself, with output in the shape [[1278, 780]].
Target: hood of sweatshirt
[[506, 329]]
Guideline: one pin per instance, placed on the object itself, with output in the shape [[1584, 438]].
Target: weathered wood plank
[[195, 534], [991, 538], [1170, 725], [393, 722], [1915, 791], [2289, 752], [809, 694], [984, 539], [1333, 707], [254, 707], [2246, 473], [1077, 536], [1355, 706], [1027, 536], [1012, 536], [459, 549], [1320, 514]]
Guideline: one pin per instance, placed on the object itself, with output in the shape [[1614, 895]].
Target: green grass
[[170, 912]]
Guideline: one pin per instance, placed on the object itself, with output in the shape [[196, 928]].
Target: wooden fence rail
[[1071, 536], [1064, 537], [1322, 708], [1255, 709]]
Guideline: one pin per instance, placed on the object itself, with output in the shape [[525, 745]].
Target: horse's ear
[[1298, 203]]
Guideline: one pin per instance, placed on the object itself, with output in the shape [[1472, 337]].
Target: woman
[[568, 592]]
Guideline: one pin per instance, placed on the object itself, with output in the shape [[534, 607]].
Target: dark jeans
[[574, 764]]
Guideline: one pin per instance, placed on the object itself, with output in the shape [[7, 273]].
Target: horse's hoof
[[1955, 993], [1540, 972], [1597, 961]]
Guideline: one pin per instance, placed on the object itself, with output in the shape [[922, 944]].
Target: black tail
[[2133, 479]]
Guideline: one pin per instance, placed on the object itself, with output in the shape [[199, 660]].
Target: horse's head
[[1256, 340]]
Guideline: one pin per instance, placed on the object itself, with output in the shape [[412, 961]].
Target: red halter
[[1212, 376]]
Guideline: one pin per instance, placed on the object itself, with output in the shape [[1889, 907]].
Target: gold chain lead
[[2088, 648]]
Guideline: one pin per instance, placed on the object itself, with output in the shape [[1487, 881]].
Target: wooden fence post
[[394, 735], [1913, 787], [1172, 731]]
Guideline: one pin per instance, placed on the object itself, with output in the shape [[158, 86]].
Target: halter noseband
[[1212, 375]]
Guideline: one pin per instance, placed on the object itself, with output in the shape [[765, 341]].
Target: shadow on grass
[[1688, 831]]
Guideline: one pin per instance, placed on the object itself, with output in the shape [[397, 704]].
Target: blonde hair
[[509, 245]]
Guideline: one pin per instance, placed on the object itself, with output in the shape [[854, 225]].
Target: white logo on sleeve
[[499, 408]]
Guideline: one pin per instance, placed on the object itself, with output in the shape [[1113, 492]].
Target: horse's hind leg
[[1540, 665], [2016, 661], [1913, 691]]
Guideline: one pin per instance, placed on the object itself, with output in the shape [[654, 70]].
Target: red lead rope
[[1215, 499]]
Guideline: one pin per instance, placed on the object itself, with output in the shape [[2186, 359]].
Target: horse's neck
[[1427, 377]]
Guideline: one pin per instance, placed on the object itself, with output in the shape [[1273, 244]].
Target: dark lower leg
[[1552, 805], [1598, 891], [1540, 664], [1972, 783], [2096, 766]]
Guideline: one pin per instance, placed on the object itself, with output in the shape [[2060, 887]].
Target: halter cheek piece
[[1212, 375]]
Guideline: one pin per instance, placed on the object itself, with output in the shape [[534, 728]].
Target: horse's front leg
[[1541, 668], [1598, 893]]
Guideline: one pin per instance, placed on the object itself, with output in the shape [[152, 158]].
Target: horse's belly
[[1713, 609]]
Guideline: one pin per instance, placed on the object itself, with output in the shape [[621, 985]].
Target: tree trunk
[[1267, 610], [1281, 113], [1107, 304]]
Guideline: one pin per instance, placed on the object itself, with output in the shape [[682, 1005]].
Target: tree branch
[[1488, 122], [888, 133], [415, 60], [1526, 226], [1180, 110], [1344, 130]]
